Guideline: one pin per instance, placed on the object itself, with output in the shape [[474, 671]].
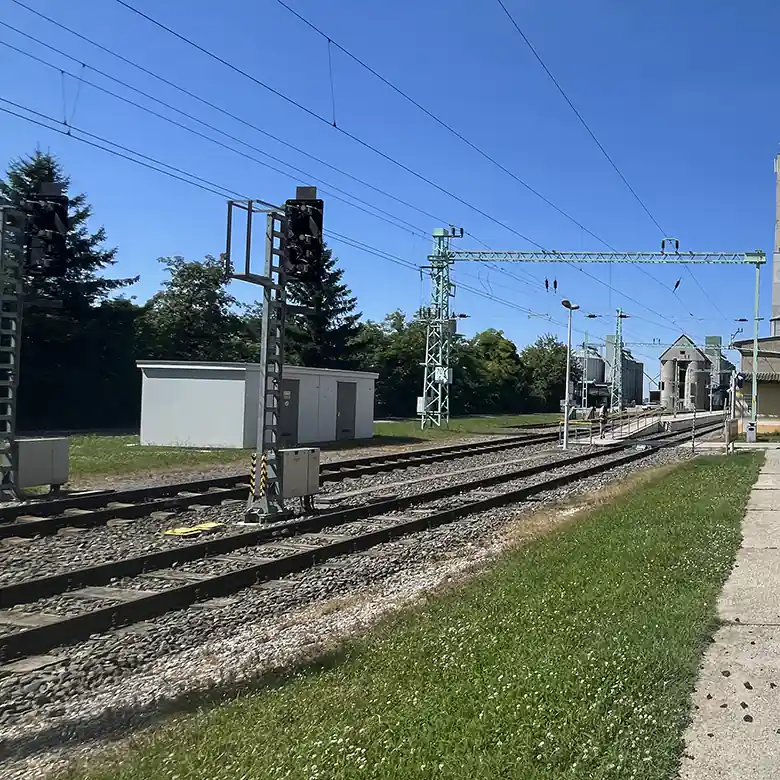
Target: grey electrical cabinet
[[43, 461], [300, 471]]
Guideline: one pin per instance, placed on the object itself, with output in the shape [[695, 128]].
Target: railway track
[[47, 517], [96, 599]]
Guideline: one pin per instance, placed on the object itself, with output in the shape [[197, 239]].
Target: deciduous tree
[[545, 363]]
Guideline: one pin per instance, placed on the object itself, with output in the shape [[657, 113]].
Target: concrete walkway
[[735, 732]]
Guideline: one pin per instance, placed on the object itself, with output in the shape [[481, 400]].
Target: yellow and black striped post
[[263, 474], [252, 475]]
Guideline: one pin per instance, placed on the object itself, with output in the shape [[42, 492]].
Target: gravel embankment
[[71, 548], [105, 686]]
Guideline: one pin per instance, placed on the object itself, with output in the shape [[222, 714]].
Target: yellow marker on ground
[[193, 530]]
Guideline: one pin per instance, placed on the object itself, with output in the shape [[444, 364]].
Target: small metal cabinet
[[300, 471], [43, 461]]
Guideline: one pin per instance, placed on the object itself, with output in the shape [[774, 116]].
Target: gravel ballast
[[111, 683], [73, 547]]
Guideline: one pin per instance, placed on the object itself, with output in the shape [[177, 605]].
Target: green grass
[[111, 455], [572, 658], [464, 425], [92, 456]]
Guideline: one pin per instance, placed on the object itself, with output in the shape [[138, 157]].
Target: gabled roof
[[684, 342]]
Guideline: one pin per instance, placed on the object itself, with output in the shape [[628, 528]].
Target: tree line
[[82, 333]]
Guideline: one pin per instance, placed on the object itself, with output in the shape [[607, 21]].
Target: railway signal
[[304, 217], [47, 229], [32, 240], [293, 244]]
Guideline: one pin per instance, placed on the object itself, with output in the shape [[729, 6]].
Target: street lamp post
[[571, 307]]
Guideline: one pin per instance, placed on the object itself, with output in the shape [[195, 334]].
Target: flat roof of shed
[[206, 365]]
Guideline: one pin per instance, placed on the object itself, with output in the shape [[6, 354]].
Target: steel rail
[[72, 629], [47, 517], [26, 591]]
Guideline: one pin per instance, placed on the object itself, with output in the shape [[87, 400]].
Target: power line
[[596, 140], [151, 163], [440, 122], [204, 184], [705, 293], [576, 113], [419, 232], [237, 118], [206, 103], [326, 121], [186, 177], [459, 135]]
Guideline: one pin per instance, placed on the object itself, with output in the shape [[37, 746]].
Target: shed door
[[288, 413], [345, 410]]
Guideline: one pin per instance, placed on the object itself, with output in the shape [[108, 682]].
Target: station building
[[768, 379]]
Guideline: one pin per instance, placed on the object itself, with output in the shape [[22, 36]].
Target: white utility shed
[[188, 404]]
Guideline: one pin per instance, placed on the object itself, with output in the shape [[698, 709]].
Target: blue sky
[[682, 96]]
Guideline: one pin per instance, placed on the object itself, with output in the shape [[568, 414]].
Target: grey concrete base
[[720, 743], [761, 528], [767, 498], [734, 732], [751, 593]]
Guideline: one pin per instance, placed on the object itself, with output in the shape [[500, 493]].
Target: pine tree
[[80, 286], [70, 353], [328, 338]]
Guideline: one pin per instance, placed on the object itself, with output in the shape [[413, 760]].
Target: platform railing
[[624, 423], [579, 431]]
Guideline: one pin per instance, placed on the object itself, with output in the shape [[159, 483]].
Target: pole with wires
[[571, 307], [434, 404], [616, 400], [754, 400], [585, 372]]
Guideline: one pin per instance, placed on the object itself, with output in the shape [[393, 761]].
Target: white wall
[[364, 405], [251, 405], [316, 407], [192, 407], [215, 404], [318, 390]]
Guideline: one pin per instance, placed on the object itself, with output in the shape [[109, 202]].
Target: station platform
[[635, 426], [735, 723]]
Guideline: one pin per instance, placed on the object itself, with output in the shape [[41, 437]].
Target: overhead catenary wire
[[230, 114], [576, 113], [201, 183], [151, 162], [329, 186], [598, 143], [205, 102], [204, 184], [417, 231], [504, 271], [174, 173], [442, 123], [365, 144]]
